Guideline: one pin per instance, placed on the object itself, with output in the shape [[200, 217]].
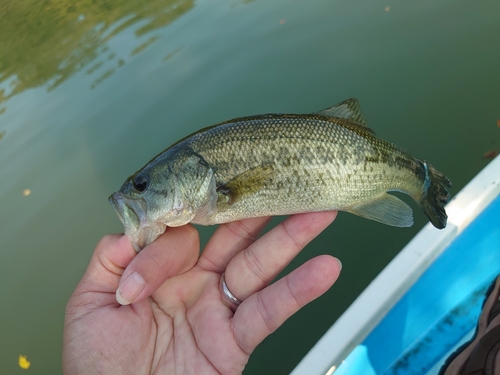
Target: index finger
[[228, 240]]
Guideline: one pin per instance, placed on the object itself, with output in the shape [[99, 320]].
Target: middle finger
[[254, 268]]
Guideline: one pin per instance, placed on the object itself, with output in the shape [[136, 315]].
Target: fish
[[279, 164]]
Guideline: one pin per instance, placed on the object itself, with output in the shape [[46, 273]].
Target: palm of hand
[[179, 323]]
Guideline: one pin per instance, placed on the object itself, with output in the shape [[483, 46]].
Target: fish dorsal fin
[[386, 209], [245, 183], [348, 109]]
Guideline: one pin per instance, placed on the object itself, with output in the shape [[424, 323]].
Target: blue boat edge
[[392, 310]]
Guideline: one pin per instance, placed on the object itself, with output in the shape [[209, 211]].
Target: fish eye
[[140, 183]]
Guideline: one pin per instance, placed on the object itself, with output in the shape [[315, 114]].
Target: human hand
[[179, 322]]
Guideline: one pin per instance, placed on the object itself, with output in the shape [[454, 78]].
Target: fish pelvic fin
[[386, 209], [435, 195]]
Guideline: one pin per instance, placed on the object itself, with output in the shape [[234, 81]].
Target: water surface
[[90, 91]]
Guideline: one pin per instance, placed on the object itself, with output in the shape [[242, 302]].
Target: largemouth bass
[[279, 164]]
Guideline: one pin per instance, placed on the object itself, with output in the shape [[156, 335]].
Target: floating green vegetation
[[46, 42], [144, 45]]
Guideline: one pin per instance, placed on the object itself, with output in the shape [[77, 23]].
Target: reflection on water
[[91, 90], [171, 54], [45, 43]]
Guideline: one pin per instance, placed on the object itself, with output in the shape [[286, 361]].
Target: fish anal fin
[[246, 183], [386, 209], [348, 109]]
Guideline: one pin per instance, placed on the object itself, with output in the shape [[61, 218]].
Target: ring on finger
[[227, 296]]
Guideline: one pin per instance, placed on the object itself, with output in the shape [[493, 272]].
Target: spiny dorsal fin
[[248, 182], [386, 209], [348, 109]]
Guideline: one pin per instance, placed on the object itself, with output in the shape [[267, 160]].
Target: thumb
[[174, 252]]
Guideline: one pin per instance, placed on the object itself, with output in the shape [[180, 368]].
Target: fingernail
[[340, 264], [130, 289]]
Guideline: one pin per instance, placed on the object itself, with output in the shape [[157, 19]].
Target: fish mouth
[[133, 215]]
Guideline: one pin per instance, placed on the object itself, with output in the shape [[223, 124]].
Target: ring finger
[[254, 268]]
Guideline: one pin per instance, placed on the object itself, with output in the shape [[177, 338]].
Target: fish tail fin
[[435, 195]]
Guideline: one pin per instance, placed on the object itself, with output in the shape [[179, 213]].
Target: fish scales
[[316, 164], [279, 164]]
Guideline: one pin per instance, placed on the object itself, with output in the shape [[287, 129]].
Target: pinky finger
[[264, 312]]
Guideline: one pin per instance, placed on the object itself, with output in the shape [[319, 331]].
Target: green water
[[90, 91]]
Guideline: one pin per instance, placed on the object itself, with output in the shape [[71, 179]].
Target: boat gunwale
[[354, 325]]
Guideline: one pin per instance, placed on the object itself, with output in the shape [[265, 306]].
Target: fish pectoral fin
[[348, 109], [386, 209], [245, 183]]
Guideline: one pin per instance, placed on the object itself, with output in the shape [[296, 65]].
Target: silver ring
[[233, 302]]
